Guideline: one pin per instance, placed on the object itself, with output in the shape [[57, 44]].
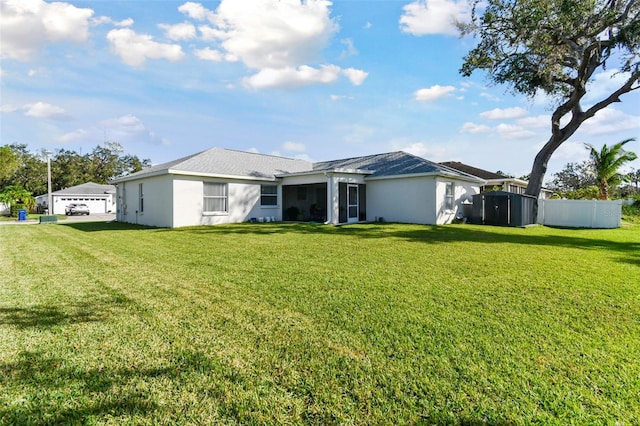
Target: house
[[227, 186], [99, 198], [495, 181]]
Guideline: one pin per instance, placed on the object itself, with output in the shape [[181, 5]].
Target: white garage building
[[99, 198]]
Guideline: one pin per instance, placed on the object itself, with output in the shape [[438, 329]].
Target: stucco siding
[[407, 200], [243, 202], [157, 198], [462, 191]]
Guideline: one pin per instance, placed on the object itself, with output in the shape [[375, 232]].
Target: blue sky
[[314, 80]]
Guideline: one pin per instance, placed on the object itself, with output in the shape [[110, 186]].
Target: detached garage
[[99, 198]]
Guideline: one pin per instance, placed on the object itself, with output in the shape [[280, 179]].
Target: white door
[[352, 203]]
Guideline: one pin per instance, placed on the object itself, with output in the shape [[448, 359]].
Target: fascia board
[[430, 174]]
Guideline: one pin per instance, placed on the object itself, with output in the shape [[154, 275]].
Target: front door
[[352, 203]]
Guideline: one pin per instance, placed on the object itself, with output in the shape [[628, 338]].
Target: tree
[[574, 177], [607, 163], [68, 168], [634, 177], [555, 47], [15, 195], [8, 163]]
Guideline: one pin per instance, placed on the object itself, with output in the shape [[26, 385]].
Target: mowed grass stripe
[[311, 324]]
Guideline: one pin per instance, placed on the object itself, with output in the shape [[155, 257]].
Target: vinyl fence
[[580, 213]]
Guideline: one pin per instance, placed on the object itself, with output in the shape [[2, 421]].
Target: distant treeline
[[23, 168]]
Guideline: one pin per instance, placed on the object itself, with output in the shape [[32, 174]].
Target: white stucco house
[[227, 186], [99, 198], [495, 181]]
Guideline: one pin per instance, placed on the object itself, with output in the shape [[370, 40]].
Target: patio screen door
[[352, 203]]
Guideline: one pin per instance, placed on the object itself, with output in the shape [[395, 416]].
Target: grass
[[30, 216], [301, 324]]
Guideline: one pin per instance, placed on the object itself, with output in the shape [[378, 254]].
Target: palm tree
[[15, 195], [607, 163]]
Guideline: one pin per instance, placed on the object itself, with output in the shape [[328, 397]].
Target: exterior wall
[[333, 196], [157, 198], [407, 200], [243, 202], [463, 191]]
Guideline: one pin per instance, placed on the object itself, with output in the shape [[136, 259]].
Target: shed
[[502, 208]]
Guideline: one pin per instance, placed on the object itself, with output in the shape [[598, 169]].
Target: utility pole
[[49, 206]]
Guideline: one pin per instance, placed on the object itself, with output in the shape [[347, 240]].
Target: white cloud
[[27, 26], [504, 113], [124, 23], [570, 151], [278, 39], [537, 122], [197, 11], [106, 20], [608, 121], [433, 93], [182, 31], [269, 34], [293, 147], [510, 131], [490, 97], [605, 83], [8, 108], [76, 135], [126, 129], [134, 49], [356, 77], [350, 49], [127, 123], [209, 54], [421, 149], [292, 77], [46, 111], [473, 128], [339, 97], [358, 133], [434, 16]]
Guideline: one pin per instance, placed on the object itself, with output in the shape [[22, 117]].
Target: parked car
[[74, 208]]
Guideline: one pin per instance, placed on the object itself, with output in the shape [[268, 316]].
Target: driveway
[[97, 217]]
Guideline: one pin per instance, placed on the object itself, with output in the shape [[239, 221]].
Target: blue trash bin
[[22, 214]]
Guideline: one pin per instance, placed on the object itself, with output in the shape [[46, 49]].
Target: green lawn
[[303, 324]]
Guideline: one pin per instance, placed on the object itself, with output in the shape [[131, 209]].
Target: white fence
[[580, 213]]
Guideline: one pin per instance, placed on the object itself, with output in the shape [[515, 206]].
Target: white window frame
[[224, 198], [449, 195], [268, 196], [140, 198]]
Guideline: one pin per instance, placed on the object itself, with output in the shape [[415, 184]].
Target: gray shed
[[503, 208]]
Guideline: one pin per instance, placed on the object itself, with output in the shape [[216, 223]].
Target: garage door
[[96, 204]]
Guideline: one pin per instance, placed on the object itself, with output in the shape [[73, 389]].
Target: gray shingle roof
[[475, 171], [88, 188], [391, 164], [228, 162]]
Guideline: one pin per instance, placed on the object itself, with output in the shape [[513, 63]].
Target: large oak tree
[[556, 47]]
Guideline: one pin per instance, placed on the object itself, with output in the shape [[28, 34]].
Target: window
[[214, 198], [140, 199], [448, 196], [268, 195]]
